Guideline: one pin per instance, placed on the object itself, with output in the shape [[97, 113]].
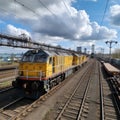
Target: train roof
[[53, 52], [76, 54]]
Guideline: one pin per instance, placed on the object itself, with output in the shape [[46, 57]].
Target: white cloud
[[115, 15], [50, 21], [12, 50], [17, 31]]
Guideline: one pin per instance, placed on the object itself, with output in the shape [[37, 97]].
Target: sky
[[68, 23]]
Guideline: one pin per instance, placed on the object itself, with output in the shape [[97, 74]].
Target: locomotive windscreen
[[32, 56]]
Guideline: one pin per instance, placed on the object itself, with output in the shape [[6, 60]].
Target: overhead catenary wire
[[12, 13], [22, 4], [30, 9], [52, 12], [60, 21], [34, 12], [68, 10], [26, 7], [107, 2], [47, 8]]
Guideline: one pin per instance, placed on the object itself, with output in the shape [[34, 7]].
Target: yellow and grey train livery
[[40, 69]]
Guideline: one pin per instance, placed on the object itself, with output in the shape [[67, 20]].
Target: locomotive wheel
[[63, 76], [36, 94], [35, 86], [14, 84], [51, 85]]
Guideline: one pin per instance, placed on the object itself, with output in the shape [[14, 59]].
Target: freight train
[[111, 70], [41, 69]]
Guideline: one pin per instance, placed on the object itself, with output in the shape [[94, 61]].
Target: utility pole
[[110, 46], [93, 49]]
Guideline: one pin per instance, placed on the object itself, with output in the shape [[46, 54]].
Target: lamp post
[[110, 45]]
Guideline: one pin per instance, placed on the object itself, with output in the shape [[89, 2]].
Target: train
[[110, 69], [42, 69], [92, 55]]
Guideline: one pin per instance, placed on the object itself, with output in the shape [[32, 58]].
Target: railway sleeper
[[69, 115], [73, 107], [71, 111]]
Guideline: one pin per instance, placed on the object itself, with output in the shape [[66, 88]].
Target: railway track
[[12, 109], [76, 105], [82, 104], [41, 100], [12, 102], [6, 89], [4, 114], [90, 106], [115, 85], [109, 109], [8, 74], [8, 67]]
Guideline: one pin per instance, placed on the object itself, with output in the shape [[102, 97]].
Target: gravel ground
[[47, 110]]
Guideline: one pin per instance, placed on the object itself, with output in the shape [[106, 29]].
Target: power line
[[12, 13], [104, 12], [34, 12], [46, 7], [22, 4], [67, 10], [66, 7], [26, 7], [51, 12]]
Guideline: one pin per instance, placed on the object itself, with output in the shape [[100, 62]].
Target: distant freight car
[[40, 69], [111, 70]]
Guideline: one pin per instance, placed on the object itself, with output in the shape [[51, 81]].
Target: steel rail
[[84, 97], [13, 102], [40, 100], [6, 89], [60, 114], [115, 98], [102, 117]]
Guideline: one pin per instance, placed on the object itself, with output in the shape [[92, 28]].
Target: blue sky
[[69, 23], [94, 9]]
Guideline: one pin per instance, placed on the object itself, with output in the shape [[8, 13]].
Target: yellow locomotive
[[41, 69]]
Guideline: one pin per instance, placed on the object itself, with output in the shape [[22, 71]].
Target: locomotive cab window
[[34, 57], [27, 58], [40, 58]]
